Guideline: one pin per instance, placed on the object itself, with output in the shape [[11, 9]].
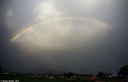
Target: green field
[[38, 79], [22, 78]]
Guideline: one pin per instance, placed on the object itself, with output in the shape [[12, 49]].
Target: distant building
[[51, 77], [12, 73], [6, 73], [108, 75], [115, 73]]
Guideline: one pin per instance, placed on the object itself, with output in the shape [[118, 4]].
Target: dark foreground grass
[[23, 78], [37, 79]]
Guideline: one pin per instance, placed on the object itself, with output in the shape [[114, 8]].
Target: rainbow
[[57, 18]]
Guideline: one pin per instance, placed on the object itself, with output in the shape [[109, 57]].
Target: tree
[[124, 70], [101, 74], [68, 75], [0, 67]]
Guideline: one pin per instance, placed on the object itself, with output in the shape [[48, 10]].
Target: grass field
[[22, 78], [38, 79]]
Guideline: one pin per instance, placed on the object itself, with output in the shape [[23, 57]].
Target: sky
[[82, 36]]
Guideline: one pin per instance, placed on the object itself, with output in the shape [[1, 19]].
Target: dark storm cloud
[[107, 53]]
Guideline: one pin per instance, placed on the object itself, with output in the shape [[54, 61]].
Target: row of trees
[[124, 70]]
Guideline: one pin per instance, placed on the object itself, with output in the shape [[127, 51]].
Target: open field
[[41, 79], [37, 79]]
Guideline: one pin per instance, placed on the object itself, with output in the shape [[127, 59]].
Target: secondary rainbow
[[57, 18]]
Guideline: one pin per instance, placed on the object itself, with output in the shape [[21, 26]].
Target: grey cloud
[[107, 50]]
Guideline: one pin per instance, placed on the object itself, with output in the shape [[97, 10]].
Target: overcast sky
[[83, 36]]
